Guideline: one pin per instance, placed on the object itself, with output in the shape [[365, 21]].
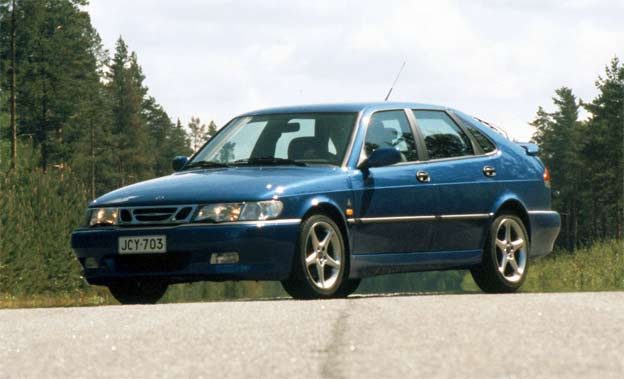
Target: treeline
[[75, 122], [586, 159], [88, 114]]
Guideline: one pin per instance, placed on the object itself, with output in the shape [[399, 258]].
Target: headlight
[[228, 212], [102, 216]]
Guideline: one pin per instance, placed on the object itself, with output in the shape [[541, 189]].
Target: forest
[[77, 120], [586, 159]]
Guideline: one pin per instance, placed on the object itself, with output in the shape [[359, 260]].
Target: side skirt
[[363, 265]]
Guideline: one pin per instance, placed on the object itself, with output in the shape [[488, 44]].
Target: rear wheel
[[138, 291], [321, 263], [505, 257]]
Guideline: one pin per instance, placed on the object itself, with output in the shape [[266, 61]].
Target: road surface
[[572, 335]]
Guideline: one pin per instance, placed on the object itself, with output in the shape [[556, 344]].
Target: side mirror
[[179, 162], [384, 156]]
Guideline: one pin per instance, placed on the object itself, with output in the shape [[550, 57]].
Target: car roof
[[342, 107]]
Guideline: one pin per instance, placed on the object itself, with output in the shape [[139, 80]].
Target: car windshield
[[279, 139]]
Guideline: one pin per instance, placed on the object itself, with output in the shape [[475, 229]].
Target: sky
[[497, 60]]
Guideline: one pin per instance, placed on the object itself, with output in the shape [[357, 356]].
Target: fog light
[[223, 258], [91, 263]]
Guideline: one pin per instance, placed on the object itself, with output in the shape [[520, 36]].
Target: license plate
[[142, 244]]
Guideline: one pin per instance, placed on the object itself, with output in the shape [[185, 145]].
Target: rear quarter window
[[484, 142]]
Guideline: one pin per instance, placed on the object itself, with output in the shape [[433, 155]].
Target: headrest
[[380, 135], [307, 148]]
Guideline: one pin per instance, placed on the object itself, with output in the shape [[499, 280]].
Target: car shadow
[[359, 296]]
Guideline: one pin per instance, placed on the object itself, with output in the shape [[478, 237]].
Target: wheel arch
[[514, 205], [330, 209]]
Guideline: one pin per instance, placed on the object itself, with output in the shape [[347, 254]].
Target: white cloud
[[498, 59]]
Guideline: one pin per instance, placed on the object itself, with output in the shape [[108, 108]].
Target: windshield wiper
[[205, 164], [268, 161]]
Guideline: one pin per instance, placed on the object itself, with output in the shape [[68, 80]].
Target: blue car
[[320, 197]]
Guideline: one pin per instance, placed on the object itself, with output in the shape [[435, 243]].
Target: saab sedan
[[320, 197]]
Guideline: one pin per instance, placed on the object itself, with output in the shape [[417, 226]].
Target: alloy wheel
[[324, 255], [511, 250]]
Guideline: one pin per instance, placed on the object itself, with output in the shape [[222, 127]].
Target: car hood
[[228, 184]]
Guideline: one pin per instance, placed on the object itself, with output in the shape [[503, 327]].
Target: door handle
[[489, 171], [423, 176]]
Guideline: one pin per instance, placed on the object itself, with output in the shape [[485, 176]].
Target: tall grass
[[599, 267], [596, 268]]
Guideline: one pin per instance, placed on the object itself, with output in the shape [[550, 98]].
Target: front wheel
[[138, 291], [505, 257], [321, 263]]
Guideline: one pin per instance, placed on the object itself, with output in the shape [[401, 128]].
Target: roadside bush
[[37, 213]]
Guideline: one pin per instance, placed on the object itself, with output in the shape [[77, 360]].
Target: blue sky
[[498, 60]]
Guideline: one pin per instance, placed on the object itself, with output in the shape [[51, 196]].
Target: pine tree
[[54, 58], [199, 133], [604, 150], [169, 140], [212, 129], [131, 138], [559, 135]]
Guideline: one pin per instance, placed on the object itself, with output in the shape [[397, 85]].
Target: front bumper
[[265, 249]]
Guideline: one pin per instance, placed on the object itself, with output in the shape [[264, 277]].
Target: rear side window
[[443, 138]]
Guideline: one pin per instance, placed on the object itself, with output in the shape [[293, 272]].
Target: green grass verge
[[599, 267]]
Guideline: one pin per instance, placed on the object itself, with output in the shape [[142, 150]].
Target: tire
[[296, 289], [138, 292], [321, 263], [348, 287], [505, 256]]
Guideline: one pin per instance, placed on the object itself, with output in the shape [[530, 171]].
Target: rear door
[[465, 178], [394, 211]]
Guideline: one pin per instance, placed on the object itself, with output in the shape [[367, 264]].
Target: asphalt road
[[574, 335]]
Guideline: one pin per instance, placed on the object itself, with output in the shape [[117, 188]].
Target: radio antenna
[[395, 80]]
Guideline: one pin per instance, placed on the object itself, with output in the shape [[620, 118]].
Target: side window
[[486, 145], [482, 140], [390, 129], [443, 138]]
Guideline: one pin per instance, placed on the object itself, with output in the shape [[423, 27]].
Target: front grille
[[137, 216], [153, 214], [183, 213]]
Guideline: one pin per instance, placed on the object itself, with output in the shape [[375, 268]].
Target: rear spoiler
[[531, 148]]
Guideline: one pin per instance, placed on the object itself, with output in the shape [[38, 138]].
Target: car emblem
[[159, 197]]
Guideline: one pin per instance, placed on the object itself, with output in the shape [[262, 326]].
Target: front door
[[394, 211]]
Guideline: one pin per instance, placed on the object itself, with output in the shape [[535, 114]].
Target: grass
[[599, 267], [77, 299]]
